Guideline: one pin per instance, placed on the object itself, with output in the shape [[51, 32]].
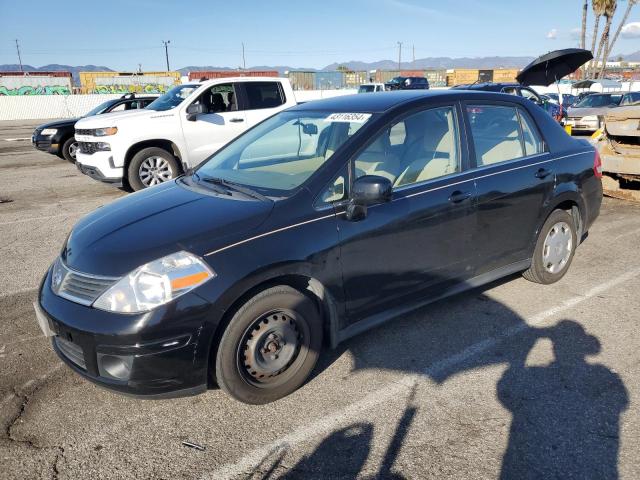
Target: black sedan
[[322, 221], [57, 137]]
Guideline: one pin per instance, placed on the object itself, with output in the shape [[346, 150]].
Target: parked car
[[519, 90], [630, 98], [567, 99], [586, 115], [57, 137], [177, 131], [407, 83], [319, 223], [371, 87]]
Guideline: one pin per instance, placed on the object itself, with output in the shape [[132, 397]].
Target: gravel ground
[[476, 386]]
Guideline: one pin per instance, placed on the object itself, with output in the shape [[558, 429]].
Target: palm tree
[[598, 7], [609, 12], [583, 33], [609, 49]]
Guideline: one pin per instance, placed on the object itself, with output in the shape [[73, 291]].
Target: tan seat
[[377, 160]]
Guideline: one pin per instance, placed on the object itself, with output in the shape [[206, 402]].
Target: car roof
[[487, 86], [384, 101]]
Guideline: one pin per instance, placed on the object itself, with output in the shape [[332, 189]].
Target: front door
[[221, 122], [416, 245], [514, 179]]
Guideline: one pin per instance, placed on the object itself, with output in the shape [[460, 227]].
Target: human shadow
[[566, 416]]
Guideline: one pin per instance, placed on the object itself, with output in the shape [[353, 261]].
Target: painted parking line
[[329, 423], [25, 139]]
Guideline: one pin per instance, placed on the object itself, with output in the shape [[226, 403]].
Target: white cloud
[[552, 34], [631, 30]]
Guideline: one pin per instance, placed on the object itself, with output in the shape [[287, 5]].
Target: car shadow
[[565, 415]]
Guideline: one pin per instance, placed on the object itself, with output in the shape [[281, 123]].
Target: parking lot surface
[[481, 385]]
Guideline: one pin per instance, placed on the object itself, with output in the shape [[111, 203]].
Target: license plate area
[[43, 320]]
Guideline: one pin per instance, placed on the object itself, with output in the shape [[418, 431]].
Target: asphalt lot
[[472, 387]]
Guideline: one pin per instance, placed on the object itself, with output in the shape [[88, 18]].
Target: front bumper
[[578, 125], [99, 166], [158, 354], [45, 144]]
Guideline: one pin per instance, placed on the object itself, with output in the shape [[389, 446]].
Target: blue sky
[[298, 33]]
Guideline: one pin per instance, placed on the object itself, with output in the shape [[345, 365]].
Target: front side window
[[219, 98], [529, 95], [284, 151], [423, 146], [503, 133], [172, 98], [263, 95]]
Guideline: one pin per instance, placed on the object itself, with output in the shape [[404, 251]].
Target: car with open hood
[[586, 115], [320, 222]]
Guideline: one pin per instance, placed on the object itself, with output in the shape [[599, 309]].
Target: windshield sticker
[[348, 117]]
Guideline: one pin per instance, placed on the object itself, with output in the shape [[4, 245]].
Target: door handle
[[237, 120], [458, 196], [543, 173]]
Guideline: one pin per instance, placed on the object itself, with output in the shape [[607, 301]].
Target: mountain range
[[418, 64]]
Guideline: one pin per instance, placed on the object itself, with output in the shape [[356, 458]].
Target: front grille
[[81, 288], [72, 351], [88, 148], [84, 131]]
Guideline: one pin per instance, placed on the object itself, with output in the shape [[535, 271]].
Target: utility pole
[[399, 55], [166, 52], [414, 53], [244, 64], [19, 57]]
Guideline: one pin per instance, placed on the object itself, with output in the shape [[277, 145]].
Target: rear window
[[264, 95], [502, 133]]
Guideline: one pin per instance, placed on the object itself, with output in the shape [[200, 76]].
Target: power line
[[166, 52], [19, 57]]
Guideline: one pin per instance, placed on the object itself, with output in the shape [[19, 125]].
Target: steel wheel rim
[[271, 350], [73, 148], [557, 247], [154, 170]]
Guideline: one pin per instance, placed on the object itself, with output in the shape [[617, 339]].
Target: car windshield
[[281, 153], [99, 109], [366, 88], [172, 98], [601, 100]]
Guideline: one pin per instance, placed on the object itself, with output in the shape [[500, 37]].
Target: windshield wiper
[[237, 187]]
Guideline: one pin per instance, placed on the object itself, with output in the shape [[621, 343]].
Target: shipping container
[[211, 74], [19, 83], [301, 80], [383, 76], [355, 79], [464, 76], [412, 73], [436, 78], [505, 75], [329, 80], [128, 82]]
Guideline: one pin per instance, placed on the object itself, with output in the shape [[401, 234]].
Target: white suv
[[177, 131]]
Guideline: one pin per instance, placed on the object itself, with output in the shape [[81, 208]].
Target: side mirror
[[368, 190], [194, 110]]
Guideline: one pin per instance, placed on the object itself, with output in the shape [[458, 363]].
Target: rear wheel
[[151, 166], [69, 149], [554, 250], [270, 346]]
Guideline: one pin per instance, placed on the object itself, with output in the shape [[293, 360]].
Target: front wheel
[[554, 250], [69, 149], [151, 166], [270, 346]]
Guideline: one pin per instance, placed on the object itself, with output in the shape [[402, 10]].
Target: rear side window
[[264, 95], [496, 133], [532, 142]]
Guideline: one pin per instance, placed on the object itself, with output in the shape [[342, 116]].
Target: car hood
[[115, 118], [119, 237], [67, 122], [583, 112]]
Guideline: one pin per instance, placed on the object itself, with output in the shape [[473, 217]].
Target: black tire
[[68, 149], [243, 376], [538, 272], [135, 176]]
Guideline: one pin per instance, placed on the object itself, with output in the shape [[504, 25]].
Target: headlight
[[590, 119], [49, 131], [155, 283], [104, 132]]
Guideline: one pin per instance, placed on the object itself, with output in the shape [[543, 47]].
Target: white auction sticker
[[348, 117]]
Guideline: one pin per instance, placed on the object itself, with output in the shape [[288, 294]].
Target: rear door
[[260, 100], [514, 178], [418, 244], [221, 123]]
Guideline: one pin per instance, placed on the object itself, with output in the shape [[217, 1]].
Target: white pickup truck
[[177, 131]]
